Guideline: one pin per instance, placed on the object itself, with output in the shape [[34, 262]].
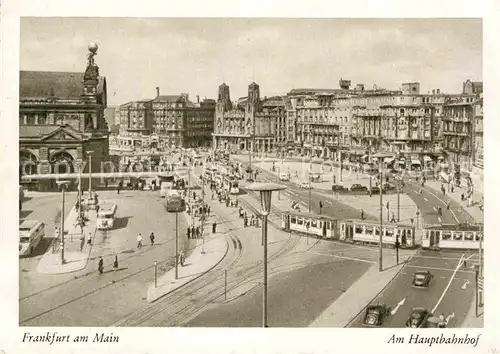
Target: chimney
[[157, 91], [438, 91], [198, 98], [433, 92]]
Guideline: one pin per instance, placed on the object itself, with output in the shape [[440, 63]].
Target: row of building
[[353, 123], [62, 122]]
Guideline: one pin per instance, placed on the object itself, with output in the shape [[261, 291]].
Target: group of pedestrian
[[139, 240], [253, 220], [194, 232], [100, 265]]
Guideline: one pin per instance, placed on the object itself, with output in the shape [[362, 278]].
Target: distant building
[[61, 117], [109, 116]]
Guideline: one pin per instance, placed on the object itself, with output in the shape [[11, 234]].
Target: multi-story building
[[178, 122], [61, 118], [478, 156], [136, 124], [248, 124]]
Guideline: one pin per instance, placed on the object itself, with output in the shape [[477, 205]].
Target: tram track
[[196, 296]]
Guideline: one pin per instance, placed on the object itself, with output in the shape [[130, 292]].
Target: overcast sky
[[197, 55]]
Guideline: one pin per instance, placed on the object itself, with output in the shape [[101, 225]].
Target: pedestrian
[[251, 221], [115, 263], [452, 188], [198, 232], [448, 206], [100, 265], [193, 235], [89, 240], [97, 209], [214, 227], [245, 221], [362, 214], [152, 238], [462, 197], [393, 218], [82, 242], [181, 258], [189, 232], [139, 241]]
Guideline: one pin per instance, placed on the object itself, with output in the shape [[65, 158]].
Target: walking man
[[362, 214], [115, 263], [82, 242], [189, 232], [139, 241], [100, 265], [152, 238], [214, 227], [89, 240]]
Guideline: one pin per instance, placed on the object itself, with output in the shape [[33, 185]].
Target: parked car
[[338, 188], [305, 185], [422, 279], [358, 187], [375, 315], [389, 186], [418, 318], [375, 190]]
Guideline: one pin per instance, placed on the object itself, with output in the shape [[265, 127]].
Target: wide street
[[450, 293]]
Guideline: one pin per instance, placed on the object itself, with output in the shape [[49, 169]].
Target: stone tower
[[223, 105], [252, 107]]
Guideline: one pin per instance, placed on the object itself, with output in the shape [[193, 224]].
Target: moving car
[[418, 318], [422, 279], [338, 188], [375, 315], [305, 185], [358, 187]]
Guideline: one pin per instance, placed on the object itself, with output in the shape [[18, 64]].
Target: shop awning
[[364, 156], [427, 158], [440, 158], [402, 159], [388, 159], [415, 162]]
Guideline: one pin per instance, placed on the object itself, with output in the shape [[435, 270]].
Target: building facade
[[250, 124], [61, 118], [136, 124]]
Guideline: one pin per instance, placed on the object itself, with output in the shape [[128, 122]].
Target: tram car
[[452, 236], [310, 224], [368, 232]]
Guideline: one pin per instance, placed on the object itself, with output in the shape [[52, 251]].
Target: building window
[[42, 118], [30, 119]]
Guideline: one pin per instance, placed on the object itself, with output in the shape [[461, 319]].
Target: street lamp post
[[63, 185], [266, 190], [398, 185], [310, 187], [380, 157], [89, 153]]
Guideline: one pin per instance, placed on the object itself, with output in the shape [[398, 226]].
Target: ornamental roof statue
[[92, 71]]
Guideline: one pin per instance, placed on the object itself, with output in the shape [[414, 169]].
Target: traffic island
[[201, 260], [75, 256]]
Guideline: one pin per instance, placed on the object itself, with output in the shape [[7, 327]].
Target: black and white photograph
[[250, 172]]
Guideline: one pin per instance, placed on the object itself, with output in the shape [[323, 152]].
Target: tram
[[231, 184], [175, 204], [452, 236], [310, 224], [365, 231]]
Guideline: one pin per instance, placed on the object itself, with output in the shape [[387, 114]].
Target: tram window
[[446, 235], [300, 221], [457, 235], [468, 236], [377, 231], [409, 233], [369, 230], [293, 220], [359, 229], [389, 233], [314, 223], [478, 236], [433, 234]]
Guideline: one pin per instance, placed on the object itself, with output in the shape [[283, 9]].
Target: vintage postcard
[[225, 181]]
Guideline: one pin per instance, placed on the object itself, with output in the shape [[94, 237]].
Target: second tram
[[460, 236]]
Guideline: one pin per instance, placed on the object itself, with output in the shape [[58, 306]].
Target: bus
[[31, 233], [166, 182], [452, 236], [231, 184], [106, 216]]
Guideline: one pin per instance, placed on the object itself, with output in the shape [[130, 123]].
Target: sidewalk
[[201, 260], [471, 321], [76, 260], [351, 303]]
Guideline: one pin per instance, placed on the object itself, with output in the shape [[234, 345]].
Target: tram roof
[[376, 223], [455, 227], [309, 215]]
